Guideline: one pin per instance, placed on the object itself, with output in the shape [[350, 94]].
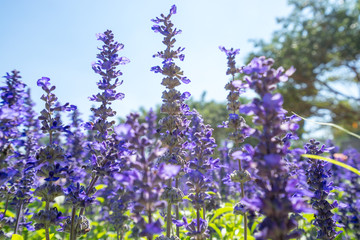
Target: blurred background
[[320, 38]]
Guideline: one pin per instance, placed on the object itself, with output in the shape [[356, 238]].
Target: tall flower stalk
[[15, 189], [24, 193], [50, 159], [148, 175], [105, 155], [11, 117], [199, 169], [174, 123], [317, 176], [239, 129], [278, 198]]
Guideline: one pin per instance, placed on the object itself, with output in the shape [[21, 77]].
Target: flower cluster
[[22, 131], [148, 177], [174, 124], [106, 150], [239, 129], [201, 147], [11, 116], [317, 176], [272, 176], [51, 162], [134, 177], [350, 216]]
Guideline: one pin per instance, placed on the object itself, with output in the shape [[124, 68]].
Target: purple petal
[[167, 171], [272, 159], [173, 9], [185, 80]]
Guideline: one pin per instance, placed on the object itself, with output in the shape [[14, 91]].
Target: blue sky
[[57, 39]]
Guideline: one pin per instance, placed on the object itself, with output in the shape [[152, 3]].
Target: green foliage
[[16, 237]]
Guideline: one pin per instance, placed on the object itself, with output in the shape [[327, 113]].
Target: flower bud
[[240, 209], [172, 195], [48, 192], [83, 225], [240, 176]]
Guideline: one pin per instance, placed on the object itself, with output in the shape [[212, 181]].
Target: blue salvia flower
[[352, 190], [27, 181], [11, 117], [174, 123], [197, 229], [18, 135], [348, 183], [50, 159], [147, 176], [199, 169], [239, 129], [105, 155], [77, 197], [278, 187], [317, 179]]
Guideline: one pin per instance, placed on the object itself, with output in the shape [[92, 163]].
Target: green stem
[[91, 185], [198, 219], [47, 233], [168, 220], [72, 232], [18, 217], [204, 212], [82, 210], [50, 137], [242, 196], [150, 237], [244, 217], [168, 215], [6, 204], [177, 209]]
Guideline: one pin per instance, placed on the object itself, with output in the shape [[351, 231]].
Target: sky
[[56, 39]]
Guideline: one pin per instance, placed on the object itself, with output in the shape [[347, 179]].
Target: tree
[[321, 39]]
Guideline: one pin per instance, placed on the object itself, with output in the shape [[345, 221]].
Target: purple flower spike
[[43, 82], [173, 9], [269, 156]]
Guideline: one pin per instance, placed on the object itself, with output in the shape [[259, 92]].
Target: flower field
[[163, 176]]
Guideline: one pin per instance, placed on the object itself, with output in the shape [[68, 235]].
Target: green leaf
[[16, 237], [41, 233], [187, 198], [331, 125], [227, 216], [217, 230], [100, 186], [341, 164], [112, 235], [99, 235], [308, 216], [100, 199], [50, 236], [10, 214], [220, 211], [211, 193]]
